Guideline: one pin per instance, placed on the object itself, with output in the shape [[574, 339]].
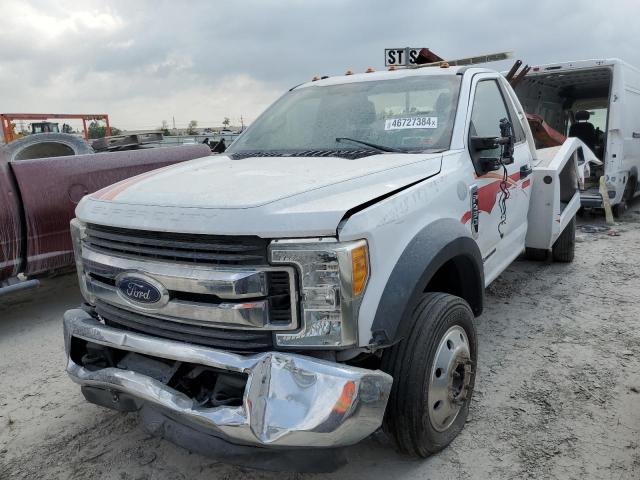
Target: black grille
[[206, 249], [279, 297], [349, 153], [230, 340]]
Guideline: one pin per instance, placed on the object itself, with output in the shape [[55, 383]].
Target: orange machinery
[[8, 134]]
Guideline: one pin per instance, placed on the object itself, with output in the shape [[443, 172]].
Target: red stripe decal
[[112, 191], [487, 194]]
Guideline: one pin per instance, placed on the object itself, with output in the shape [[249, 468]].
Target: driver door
[[502, 196]]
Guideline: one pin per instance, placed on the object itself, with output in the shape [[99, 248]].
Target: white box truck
[[597, 101]]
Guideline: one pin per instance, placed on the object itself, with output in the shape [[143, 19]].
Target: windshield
[[408, 114]]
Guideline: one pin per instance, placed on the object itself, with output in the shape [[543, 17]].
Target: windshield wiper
[[381, 148]]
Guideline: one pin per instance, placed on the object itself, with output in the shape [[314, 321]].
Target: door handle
[[635, 135], [525, 171]]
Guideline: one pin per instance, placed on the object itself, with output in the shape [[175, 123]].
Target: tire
[[536, 254], [629, 192], [44, 145], [565, 245], [619, 208], [417, 363]]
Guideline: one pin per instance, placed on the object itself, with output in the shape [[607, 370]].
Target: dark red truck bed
[[38, 199]]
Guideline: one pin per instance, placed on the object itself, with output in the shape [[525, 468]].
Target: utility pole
[[241, 124]]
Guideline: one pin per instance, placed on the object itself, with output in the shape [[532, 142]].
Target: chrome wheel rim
[[450, 378]]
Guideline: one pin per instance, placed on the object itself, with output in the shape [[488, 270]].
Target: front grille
[[205, 249], [279, 297], [230, 340]]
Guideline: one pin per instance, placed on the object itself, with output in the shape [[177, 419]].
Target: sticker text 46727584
[[410, 122]]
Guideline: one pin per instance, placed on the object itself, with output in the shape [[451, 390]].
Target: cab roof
[[391, 75]]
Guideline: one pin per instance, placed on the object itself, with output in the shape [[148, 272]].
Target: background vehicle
[[37, 199], [321, 277], [45, 139], [597, 101], [7, 123]]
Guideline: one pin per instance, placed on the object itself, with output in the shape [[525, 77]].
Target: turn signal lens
[[346, 398], [360, 269]]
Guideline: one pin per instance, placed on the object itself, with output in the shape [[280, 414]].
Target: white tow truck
[[319, 279]]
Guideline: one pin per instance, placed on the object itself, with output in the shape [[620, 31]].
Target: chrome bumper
[[289, 401]]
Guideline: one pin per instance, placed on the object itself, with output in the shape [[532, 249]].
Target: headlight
[[333, 277], [77, 234]]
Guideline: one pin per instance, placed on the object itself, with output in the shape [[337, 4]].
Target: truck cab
[[319, 279], [44, 127]]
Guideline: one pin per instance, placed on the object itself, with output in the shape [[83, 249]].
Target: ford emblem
[[141, 290]]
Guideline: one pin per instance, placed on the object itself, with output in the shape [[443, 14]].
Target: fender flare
[[437, 243]]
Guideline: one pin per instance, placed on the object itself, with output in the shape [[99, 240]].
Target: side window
[[487, 111], [517, 114]]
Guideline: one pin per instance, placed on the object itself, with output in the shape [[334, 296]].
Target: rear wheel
[[433, 370], [565, 246]]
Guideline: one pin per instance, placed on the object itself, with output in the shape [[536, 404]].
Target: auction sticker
[[410, 122]]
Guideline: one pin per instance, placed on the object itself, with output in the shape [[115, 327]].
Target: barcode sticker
[[410, 122]]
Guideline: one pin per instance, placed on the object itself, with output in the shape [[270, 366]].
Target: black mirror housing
[[489, 164], [484, 143], [505, 143], [484, 164]]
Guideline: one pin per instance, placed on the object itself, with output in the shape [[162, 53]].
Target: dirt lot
[[558, 391]]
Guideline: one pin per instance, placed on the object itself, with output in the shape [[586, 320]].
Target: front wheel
[[433, 369]]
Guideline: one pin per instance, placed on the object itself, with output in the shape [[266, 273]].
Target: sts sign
[[400, 57]]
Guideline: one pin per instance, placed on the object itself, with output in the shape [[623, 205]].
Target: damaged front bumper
[[289, 400]]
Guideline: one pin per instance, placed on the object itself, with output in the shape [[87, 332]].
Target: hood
[[257, 195]]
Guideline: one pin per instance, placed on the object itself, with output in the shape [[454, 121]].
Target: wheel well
[[43, 150], [458, 276]]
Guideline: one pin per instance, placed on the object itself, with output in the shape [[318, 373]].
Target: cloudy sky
[[147, 61]]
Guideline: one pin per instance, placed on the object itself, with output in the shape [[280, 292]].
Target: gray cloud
[[146, 61]]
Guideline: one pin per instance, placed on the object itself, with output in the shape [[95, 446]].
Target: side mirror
[[480, 144], [504, 144]]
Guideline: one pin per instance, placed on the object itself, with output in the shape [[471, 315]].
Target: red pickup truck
[[38, 198]]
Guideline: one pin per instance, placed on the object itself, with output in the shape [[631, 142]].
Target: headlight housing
[[333, 277], [77, 235]]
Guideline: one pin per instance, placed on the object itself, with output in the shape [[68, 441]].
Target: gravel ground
[[557, 395]]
